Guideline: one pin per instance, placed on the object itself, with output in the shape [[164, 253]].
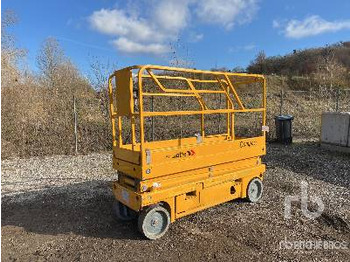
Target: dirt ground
[[59, 208]]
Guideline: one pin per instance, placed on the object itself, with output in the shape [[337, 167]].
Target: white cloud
[[142, 34], [276, 24], [226, 12], [172, 15], [128, 46], [198, 37], [248, 47], [195, 37], [313, 25], [117, 23], [148, 26]]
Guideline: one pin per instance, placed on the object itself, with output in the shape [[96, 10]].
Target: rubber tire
[[258, 185], [122, 213], [146, 214]]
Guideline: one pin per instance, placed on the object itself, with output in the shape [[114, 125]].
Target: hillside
[[331, 62]]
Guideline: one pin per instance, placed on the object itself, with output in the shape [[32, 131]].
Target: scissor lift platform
[[160, 179]]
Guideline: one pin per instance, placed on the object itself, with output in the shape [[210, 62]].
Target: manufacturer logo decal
[[183, 154], [247, 143]]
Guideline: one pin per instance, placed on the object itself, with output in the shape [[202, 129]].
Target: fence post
[[281, 102], [152, 118], [337, 100], [75, 125]]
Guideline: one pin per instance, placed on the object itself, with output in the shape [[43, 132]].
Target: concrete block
[[335, 128], [331, 147]]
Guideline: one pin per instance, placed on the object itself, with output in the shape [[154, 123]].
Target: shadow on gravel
[[82, 209], [308, 158]]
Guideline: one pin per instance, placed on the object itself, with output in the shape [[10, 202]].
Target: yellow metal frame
[[184, 174]]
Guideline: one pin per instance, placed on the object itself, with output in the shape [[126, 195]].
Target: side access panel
[[188, 200], [221, 193]]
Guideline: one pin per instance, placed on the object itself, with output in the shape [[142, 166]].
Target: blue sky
[[212, 32]]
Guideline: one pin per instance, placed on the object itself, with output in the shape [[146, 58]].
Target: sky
[[202, 33]]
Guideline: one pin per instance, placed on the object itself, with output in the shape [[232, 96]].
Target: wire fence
[[340, 98], [306, 106], [81, 124]]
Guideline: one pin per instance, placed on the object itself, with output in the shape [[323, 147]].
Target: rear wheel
[[254, 190], [122, 212], [154, 222]]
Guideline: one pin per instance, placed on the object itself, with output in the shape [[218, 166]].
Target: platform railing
[[222, 79]]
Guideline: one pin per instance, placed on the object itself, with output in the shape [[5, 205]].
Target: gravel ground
[[59, 208]]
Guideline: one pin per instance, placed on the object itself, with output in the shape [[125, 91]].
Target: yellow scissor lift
[[162, 179]]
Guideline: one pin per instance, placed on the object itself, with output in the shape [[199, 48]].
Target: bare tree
[[10, 54], [238, 69], [9, 19], [51, 56], [330, 72], [260, 61], [100, 71], [179, 54], [258, 65]]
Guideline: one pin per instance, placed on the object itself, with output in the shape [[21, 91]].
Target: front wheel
[[154, 222], [254, 190]]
